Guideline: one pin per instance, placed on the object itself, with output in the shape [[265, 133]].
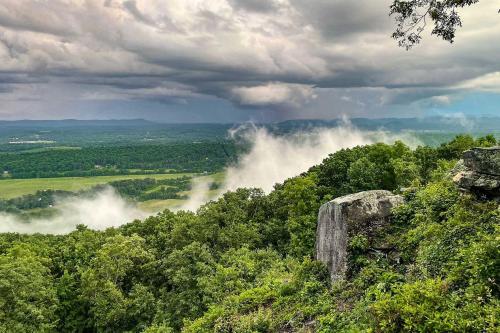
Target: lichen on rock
[[479, 172], [343, 217]]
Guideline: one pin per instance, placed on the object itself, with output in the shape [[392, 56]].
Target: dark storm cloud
[[263, 54], [9, 81], [131, 6], [5, 88], [255, 5], [20, 78], [121, 82], [342, 19]]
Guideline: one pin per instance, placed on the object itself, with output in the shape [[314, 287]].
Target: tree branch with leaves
[[412, 17]]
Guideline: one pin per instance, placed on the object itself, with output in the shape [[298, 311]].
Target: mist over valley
[[249, 166]]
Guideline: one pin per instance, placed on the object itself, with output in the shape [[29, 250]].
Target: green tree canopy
[[412, 17]]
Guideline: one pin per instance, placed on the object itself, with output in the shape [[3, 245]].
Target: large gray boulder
[[343, 217], [483, 160], [479, 172]]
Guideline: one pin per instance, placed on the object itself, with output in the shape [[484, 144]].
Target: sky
[[238, 60]]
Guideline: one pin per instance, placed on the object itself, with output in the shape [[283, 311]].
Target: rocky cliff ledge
[[339, 219], [479, 172]]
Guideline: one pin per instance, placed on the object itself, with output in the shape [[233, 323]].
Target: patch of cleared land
[[11, 188], [160, 205], [154, 206]]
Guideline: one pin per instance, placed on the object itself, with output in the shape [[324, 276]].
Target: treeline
[[40, 199], [149, 189], [244, 263], [380, 166], [86, 134], [134, 159]]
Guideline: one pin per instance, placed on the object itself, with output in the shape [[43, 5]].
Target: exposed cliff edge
[[479, 172], [339, 219]]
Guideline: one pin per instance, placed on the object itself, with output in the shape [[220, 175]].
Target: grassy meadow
[[11, 188], [159, 205]]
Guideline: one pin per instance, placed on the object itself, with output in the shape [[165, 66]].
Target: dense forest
[[118, 160], [244, 263]]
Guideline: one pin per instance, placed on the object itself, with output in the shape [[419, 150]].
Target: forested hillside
[[244, 263], [118, 160]]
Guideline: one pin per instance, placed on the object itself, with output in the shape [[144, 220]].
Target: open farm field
[[160, 205], [11, 188]]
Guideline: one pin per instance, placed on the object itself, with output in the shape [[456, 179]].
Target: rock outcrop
[[343, 217], [479, 172]]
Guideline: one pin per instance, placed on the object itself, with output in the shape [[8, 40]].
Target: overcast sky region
[[237, 60]]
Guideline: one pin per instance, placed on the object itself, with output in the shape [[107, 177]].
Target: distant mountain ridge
[[448, 124], [75, 123]]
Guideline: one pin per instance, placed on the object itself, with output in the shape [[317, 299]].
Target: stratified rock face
[[479, 172], [348, 215]]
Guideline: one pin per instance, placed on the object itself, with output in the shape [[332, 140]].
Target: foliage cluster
[[149, 188], [244, 263], [412, 17]]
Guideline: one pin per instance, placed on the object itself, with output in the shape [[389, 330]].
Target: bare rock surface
[[342, 217], [479, 172]]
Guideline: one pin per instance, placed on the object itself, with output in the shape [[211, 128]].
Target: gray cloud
[[340, 20], [268, 55], [264, 6]]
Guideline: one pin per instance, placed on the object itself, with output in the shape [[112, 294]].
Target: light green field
[[160, 205], [217, 177], [11, 188], [154, 206]]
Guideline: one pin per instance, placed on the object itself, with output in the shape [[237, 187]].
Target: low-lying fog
[[104, 209], [273, 159], [270, 160]]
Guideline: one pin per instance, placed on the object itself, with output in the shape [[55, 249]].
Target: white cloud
[[274, 158], [106, 209], [489, 83], [442, 100], [292, 95]]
